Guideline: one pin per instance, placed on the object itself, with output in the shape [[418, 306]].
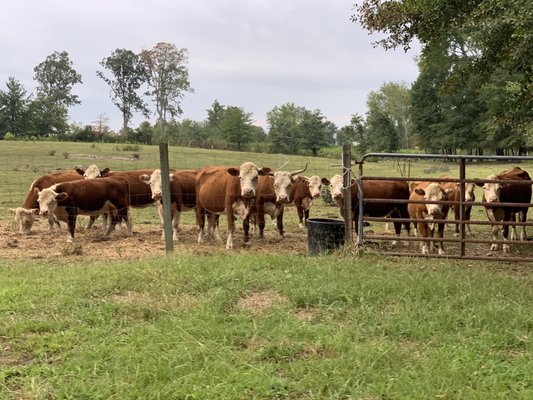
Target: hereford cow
[[88, 197], [182, 193], [456, 196], [227, 190], [92, 171], [26, 215], [374, 189], [508, 191], [303, 194], [273, 192], [429, 191]]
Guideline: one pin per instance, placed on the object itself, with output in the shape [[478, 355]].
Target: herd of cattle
[[250, 192]]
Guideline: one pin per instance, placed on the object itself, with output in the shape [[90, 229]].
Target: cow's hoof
[[441, 252], [506, 248], [493, 247]]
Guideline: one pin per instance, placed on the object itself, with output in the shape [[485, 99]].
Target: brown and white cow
[[26, 215], [229, 190], [303, 194], [508, 191], [92, 171], [273, 192], [374, 189], [429, 191], [456, 196], [182, 193], [88, 197]]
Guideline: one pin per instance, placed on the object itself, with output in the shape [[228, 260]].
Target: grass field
[[259, 322]]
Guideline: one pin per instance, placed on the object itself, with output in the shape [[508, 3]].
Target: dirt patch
[[305, 314], [260, 302], [145, 242]]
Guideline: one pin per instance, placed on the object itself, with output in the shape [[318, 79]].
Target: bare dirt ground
[[146, 241]]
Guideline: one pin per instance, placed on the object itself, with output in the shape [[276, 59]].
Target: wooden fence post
[[165, 181]]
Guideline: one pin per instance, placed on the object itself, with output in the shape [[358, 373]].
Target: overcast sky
[[254, 54]]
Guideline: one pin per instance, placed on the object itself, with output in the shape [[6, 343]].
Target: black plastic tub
[[324, 235]]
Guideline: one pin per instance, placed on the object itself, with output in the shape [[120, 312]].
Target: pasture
[[119, 319]]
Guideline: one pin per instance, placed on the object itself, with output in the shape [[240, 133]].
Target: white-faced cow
[[228, 190], [182, 193], [26, 215], [374, 189], [273, 192], [88, 197], [508, 191], [303, 194], [429, 191], [92, 171], [456, 196]]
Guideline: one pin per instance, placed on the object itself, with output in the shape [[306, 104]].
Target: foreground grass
[[263, 327]]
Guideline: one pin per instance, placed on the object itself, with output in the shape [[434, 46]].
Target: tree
[[236, 126], [129, 75], [353, 133], [315, 131], [284, 131], [168, 78], [13, 108], [55, 79]]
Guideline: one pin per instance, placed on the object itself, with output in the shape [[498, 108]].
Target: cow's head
[[469, 192], [92, 171], [156, 183], [248, 174], [434, 192], [48, 199], [336, 184], [491, 191], [283, 183], [315, 184], [24, 218]]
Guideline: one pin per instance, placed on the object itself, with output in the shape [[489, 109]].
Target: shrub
[[51, 153], [136, 156], [9, 136], [66, 154]]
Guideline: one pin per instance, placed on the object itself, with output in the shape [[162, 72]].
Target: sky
[[254, 54]]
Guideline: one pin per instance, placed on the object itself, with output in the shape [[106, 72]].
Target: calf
[[375, 189], [26, 215], [429, 191], [226, 190], [456, 196], [508, 191], [273, 192], [303, 194], [88, 197], [182, 193]]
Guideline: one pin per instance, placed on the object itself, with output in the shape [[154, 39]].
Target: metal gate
[[462, 240]]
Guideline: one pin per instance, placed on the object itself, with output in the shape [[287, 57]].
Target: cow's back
[[392, 190], [184, 185], [46, 181], [92, 194], [140, 193], [512, 191], [213, 186]]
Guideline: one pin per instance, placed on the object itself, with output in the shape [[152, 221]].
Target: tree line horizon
[[472, 95]]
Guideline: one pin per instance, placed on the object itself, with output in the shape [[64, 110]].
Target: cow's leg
[[90, 223], [129, 224], [440, 234], [423, 231], [306, 217], [260, 218], [431, 234], [468, 212], [513, 235], [52, 221], [176, 217], [301, 218], [246, 228], [523, 218], [213, 227], [457, 216], [231, 227], [495, 232], [505, 234], [71, 223], [279, 220], [200, 221], [397, 230]]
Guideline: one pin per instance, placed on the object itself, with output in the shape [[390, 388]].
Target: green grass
[[269, 327]]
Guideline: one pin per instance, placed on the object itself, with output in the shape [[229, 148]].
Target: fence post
[[462, 226], [165, 181], [347, 192]]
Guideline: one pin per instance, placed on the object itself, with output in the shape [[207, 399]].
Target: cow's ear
[[419, 191], [145, 178], [447, 192], [13, 211], [80, 171], [298, 178], [478, 182], [325, 181], [264, 171], [233, 171], [61, 196], [171, 177], [104, 172]]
